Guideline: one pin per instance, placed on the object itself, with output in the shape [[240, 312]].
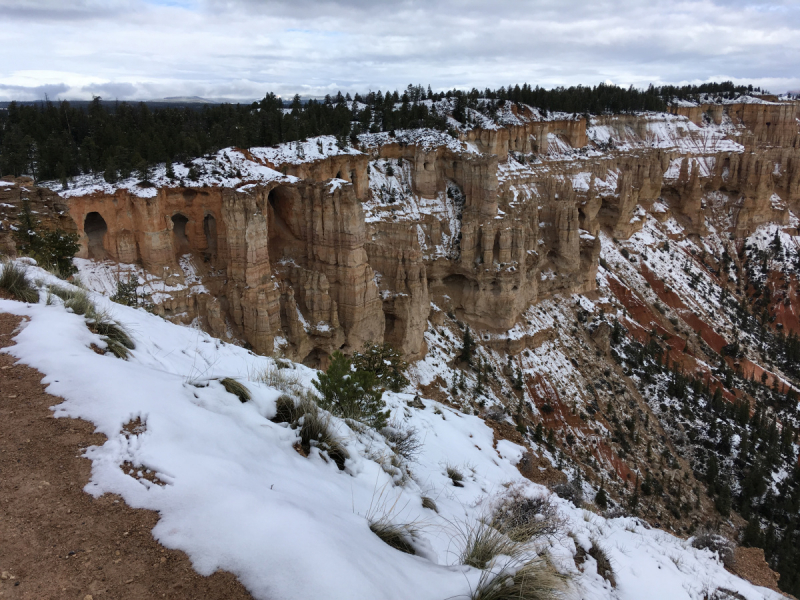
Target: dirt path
[[56, 541]]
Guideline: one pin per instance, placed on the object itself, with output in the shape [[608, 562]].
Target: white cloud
[[240, 49]]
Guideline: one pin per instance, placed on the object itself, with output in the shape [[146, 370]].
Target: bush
[[429, 503], [115, 336], [709, 540], [385, 362], [236, 388], [402, 439], [14, 281], [126, 292], [351, 394], [569, 491], [53, 250], [522, 518]]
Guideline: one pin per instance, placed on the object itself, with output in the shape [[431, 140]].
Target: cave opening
[[95, 228], [285, 230], [210, 230], [179, 240]]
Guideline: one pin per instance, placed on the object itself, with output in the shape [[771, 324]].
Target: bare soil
[[57, 541]]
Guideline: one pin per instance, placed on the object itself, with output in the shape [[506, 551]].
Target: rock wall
[[294, 264]]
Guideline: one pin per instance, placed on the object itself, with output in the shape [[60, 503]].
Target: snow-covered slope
[[233, 492]]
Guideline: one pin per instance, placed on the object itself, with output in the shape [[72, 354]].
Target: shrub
[[126, 292], [351, 394], [522, 518], [709, 540], [53, 250], [397, 536], [285, 409], [14, 281], [236, 388], [569, 491], [385, 362], [402, 439], [535, 579], [115, 336]]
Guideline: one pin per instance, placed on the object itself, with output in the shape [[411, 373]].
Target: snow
[[6, 183], [232, 492]]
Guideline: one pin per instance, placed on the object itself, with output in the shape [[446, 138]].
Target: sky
[[238, 50]]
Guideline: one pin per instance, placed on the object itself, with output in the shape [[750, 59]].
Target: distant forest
[[53, 141]]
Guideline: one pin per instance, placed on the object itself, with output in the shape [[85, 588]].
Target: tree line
[[50, 140]]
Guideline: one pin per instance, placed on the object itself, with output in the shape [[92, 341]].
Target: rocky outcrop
[[327, 254]]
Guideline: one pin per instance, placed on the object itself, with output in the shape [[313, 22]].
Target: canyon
[[313, 248]]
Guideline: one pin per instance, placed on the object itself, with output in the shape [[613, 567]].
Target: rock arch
[[95, 228]]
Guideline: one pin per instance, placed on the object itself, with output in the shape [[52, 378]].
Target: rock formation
[[326, 254]]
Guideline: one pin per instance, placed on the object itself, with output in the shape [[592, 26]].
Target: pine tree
[[467, 347], [601, 499], [351, 394]]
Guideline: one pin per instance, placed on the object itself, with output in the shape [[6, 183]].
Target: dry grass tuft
[[455, 475], [14, 281], [535, 579], [483, 543], [429, 503], [282, 378], [604, 567], [236, 388], [398, 536], [313, 425]]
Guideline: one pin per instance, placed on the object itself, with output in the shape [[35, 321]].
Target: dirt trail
[[56, 541]]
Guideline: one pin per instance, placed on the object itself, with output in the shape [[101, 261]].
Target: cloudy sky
[[240, 49]]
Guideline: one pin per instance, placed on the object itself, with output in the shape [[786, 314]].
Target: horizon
[[237, 50]]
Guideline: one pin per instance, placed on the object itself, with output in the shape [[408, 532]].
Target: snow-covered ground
[[233, 493]]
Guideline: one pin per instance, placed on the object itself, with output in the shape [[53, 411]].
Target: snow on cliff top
[[233, 493], [230, 167]]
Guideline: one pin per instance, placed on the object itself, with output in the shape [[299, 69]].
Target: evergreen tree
[[467, 347], [351, 394]]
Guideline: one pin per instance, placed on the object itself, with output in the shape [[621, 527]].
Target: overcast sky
[[241, 49]]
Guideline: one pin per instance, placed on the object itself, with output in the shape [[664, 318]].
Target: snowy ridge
[[230, 168], [233, 493]]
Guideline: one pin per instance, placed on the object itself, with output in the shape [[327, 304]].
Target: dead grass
[[313, 425], [482, 543], [236, 388], [604, 567], [14, 281], [284, 379], [398, 536], [535, 579]]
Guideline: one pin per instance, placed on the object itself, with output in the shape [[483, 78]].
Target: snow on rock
[[232, 492]]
